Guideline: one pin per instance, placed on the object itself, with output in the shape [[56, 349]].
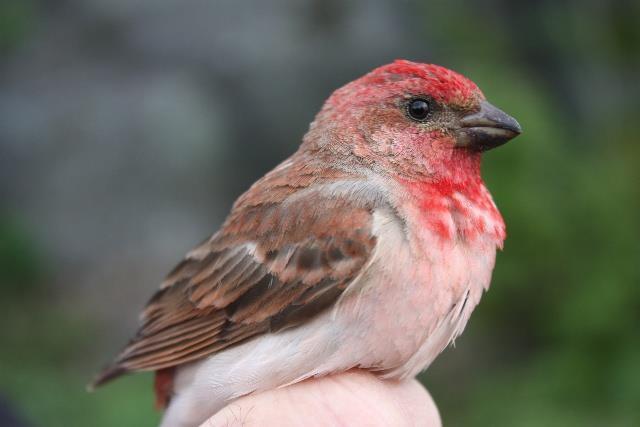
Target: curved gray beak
[[487, 128]]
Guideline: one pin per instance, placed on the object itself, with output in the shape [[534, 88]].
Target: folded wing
[[273, 265]]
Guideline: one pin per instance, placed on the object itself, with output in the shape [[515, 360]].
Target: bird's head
[[415, 120]]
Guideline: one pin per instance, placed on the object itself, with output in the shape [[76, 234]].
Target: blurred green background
[[128, 128]]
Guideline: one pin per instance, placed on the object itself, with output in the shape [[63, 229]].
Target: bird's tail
[[107, 374]]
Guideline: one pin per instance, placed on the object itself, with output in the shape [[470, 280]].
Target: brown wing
[[273, 265]]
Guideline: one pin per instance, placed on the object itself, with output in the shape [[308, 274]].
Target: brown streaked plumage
[[265, 270]]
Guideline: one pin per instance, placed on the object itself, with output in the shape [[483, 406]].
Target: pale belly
[[395, 318], [415, 298]]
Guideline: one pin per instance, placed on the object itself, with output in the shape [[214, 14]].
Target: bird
[[368, 248]]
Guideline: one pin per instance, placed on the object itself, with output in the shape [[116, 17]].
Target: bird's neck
[[454, 203]]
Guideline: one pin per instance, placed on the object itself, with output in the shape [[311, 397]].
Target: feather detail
[[275, 263], [163, 387]]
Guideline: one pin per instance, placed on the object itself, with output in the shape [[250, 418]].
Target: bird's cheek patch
[[384, 142]]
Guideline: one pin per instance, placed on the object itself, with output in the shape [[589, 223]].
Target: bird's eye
[[418, 109]]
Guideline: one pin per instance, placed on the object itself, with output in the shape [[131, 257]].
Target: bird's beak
[[486, 129]]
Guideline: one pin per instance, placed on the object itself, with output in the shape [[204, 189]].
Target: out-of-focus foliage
[[566, 290], [16, 21], [554, 342]]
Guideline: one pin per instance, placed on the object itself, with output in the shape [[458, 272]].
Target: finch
[[368, 248]]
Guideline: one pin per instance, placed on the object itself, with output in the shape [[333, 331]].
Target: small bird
[[368, 248]]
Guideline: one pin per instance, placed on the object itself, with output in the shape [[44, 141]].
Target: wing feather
[[273, 265]]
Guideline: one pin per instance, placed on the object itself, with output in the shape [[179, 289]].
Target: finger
[[354, 398]]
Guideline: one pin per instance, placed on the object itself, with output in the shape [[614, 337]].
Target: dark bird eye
[[418, 109]]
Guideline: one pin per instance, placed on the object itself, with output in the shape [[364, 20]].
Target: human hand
[[354, 398]]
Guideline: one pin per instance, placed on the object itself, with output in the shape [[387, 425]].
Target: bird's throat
[[456, 209]]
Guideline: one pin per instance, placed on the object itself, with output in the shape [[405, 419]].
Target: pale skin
[[351, 398]]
